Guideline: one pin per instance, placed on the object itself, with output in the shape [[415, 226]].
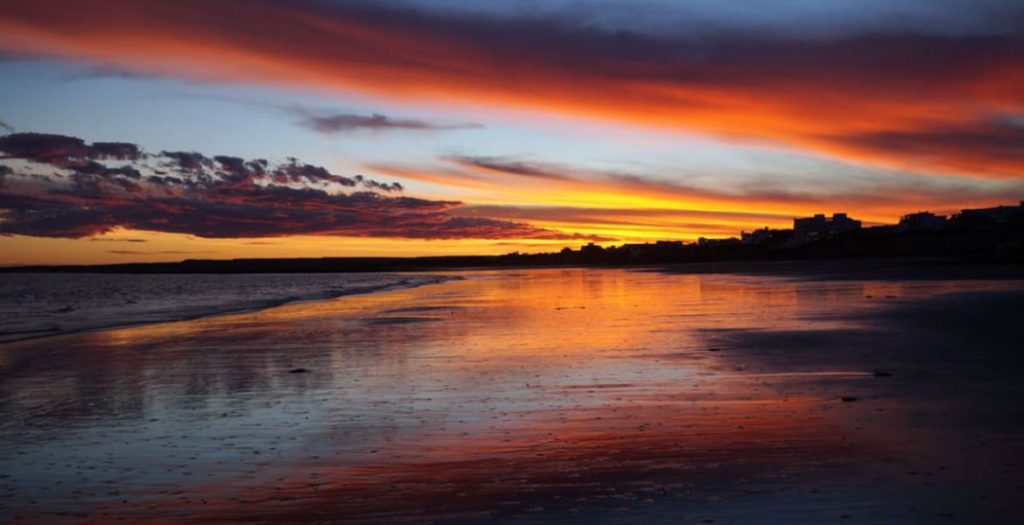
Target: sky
[[177, 129]]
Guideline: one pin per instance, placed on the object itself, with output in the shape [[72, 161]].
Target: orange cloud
[[932, 103], [631, 207]]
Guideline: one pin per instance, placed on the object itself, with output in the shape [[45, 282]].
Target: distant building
[[704, 241], [819, 227], [591, 249], [755, 237], [997, 214], [636, 251], [921, 222], [766, 237], [656, 249]]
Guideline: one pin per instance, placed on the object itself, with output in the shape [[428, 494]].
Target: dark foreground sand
[[540, 396]]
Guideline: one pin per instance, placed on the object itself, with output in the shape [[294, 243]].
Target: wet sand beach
[[536, 396]]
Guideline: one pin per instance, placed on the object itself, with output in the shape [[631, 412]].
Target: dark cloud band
[[60, 186]]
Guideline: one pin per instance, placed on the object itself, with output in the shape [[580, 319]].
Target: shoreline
[[885, 269], [843, 268], [33, 335], [881, 269], [347, 265]]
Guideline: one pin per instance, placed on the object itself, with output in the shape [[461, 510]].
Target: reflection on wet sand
[[543, 396]]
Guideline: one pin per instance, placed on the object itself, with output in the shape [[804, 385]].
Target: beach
[[535, 396]]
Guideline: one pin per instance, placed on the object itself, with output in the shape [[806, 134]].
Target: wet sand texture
[[535, 396]]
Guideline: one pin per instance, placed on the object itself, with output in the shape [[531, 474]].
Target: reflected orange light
[[505, 386]]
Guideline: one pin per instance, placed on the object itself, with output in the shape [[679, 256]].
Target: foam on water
[[38, 305]]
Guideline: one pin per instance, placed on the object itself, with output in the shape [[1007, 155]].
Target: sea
[[45, 304]]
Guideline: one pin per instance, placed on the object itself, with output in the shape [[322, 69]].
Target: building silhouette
[[921, 222], [819, 227], [994, 215]]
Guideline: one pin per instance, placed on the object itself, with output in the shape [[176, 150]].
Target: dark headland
[[986, 236]]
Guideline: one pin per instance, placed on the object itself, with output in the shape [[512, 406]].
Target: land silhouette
[[982, 235]]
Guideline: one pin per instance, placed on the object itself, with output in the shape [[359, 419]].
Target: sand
[[536, 396]]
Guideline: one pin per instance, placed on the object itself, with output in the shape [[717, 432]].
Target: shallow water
[[537, 396], [47, 304]]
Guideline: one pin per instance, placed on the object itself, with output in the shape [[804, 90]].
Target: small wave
[[51, 329], [177, 304], [417, 309], [400, 320]]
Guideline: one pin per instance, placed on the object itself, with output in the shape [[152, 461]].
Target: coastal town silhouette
[[980, 235]]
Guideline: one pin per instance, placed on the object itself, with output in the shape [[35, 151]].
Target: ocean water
[[36, 305]]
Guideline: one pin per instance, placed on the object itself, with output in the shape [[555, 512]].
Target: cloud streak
[[61, 186], [333, 122], [861, 94], [599, 200]]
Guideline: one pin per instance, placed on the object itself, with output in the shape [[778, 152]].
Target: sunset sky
[[174, 129]]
